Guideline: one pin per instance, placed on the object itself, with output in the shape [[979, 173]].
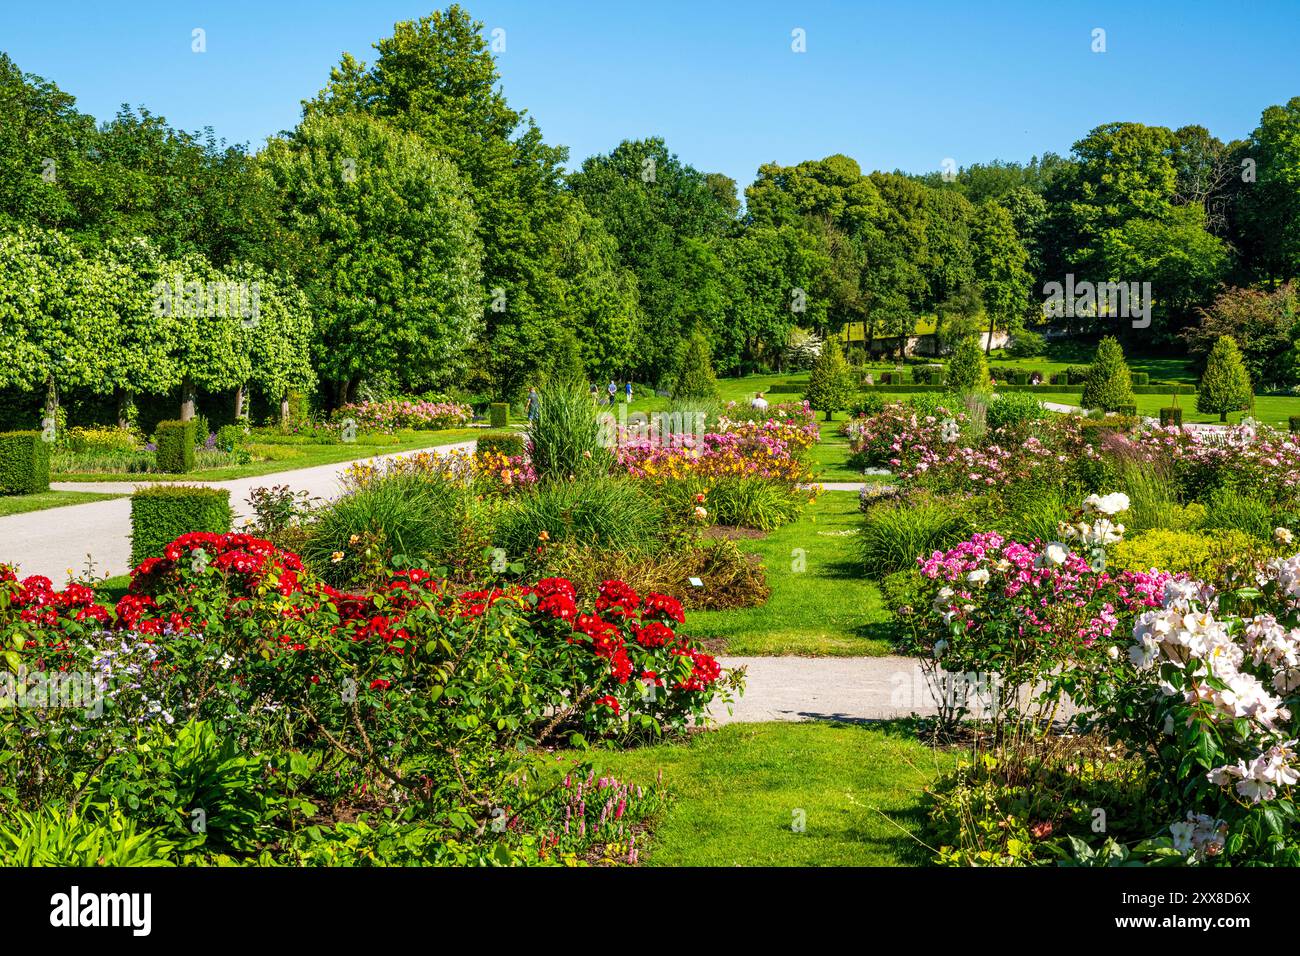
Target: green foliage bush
[[1172, 415], [1108, 386], [894, 534], [162, 513], [695, 377], [1202, 555], [24, 463], [967, 369], [830, 384], [569, 436], [1140, 378], [1015, 410], [510, 444], [175, 444], [1225, 386], [230, 437], [499, 414], [605, 513], [421, 517], [1232, 508]]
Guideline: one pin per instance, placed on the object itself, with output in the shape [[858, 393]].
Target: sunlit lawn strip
[[42, 501]]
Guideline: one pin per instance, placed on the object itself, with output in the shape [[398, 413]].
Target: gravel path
[[52, 541]]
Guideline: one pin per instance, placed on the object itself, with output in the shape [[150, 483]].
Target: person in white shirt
[[758, 402]]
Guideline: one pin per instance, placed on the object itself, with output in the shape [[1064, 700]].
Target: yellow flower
[[336, 557]]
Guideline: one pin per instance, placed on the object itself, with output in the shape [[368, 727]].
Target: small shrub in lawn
[[1141, 378], [162, 513], [1294, 421], [499, 414], [1109, 385], [510, 444], [1020, 378], [1174, 416], [175, 442], [24, 463]]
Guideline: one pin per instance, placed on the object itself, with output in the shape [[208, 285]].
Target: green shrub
[[92, 440], [569, 437], [894, 534], [510, 444], [1026, 344], [1140, 378], [1077, 374], [743, 501], [421, 517], [162, 513], [905, 591], [201, 430], [24, 463], [830, 383], [1020, 378], [1172, 416], [1130, 409], [605, 513], [1233, 508], [1225, 386], [230, 437], [1294, 421], [1015, 410], [967, 369], [695, 377], [499, 414], [1203, 556], [175, 443], [1108, 386]]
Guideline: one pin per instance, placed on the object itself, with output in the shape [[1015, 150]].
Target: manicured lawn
[[735, 793], [1270, 409], [20, 504], [830, 455], [821, 603], [292, 457]]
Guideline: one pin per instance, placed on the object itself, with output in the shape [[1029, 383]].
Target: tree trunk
[[284, 410], [988, 346], [239, 403], [123, 398], [187, 399], [51, 415]]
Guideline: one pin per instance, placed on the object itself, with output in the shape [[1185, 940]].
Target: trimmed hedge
[[499, 414], [509, 444], [175, 443], [24, 463], [1140, 378], [1166, 389], [162, 513], [1295, 423], [1129, 410], [1174, 416]]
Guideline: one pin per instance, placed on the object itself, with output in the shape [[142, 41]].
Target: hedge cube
[[1174, 416], [175, 442], [499, 414], [1129, 410], [510, 444], [24, 463], [1295, 423], [162, 513], [1141, 378]]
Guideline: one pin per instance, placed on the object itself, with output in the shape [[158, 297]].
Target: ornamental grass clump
[[568, 439]]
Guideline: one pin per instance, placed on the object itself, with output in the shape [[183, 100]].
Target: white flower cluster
[[1101, 530], [1199, 835], [1180, 633], [1258, 780]]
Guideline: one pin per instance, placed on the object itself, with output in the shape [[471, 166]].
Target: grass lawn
[[292, 457], [19, 504], [821, 602], [1270, 409], [829, 456], [735, 793]]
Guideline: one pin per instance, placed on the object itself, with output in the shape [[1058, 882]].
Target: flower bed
[[394, 414]]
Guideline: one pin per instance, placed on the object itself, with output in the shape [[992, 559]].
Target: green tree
[[830, 383], [1269, 207], [1225, 386], [695, 378], [1000, 261], [1109, 384], [967, 369], [384, 245]]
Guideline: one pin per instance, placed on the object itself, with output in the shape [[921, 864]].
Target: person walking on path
[[627, 390], [613, 390], [534, 404], [595, 395]]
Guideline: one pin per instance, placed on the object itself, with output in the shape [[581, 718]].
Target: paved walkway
[[52, 541], [827, 688]]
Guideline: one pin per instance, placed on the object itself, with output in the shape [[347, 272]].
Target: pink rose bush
[[394, 414]]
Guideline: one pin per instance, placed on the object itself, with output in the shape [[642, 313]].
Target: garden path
[[52, 541], [828, 688]]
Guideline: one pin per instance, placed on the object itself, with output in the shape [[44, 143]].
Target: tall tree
[[1000, 260]]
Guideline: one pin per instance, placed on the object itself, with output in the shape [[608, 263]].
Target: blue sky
[[895, 85]]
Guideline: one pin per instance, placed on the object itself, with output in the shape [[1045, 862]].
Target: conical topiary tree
[[830, 383], [1109, 385], [1225, 386], [967, 369], [695, 378]]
